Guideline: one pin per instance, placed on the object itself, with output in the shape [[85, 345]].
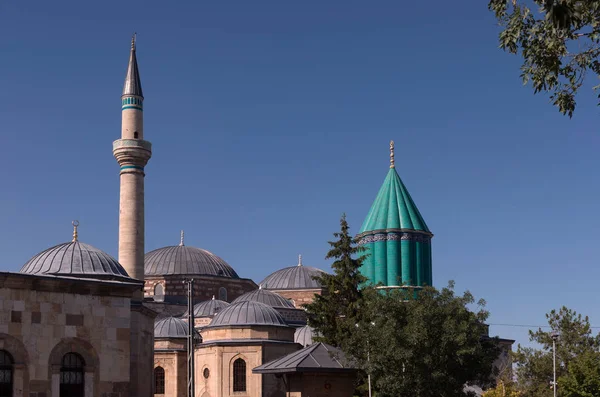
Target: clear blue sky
[[269, 119]]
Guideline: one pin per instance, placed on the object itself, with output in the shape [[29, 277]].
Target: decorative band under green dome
[[397, 259]]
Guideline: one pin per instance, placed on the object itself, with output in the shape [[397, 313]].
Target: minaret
[[132, 153], [396, 237]]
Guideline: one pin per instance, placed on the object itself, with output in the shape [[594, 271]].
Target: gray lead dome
[[208, 308], [267, 297], [246, 314], [170, 327], [181, 259], [295, 277], [76, 259]]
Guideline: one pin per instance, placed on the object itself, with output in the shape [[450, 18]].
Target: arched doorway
[[72, 375], [6, 374]]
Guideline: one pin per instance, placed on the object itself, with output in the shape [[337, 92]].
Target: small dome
[[208, 308], [76, 259], [267, 297], [247, 313], [304, 335], [170, 327], [294, 277], [181, 259]]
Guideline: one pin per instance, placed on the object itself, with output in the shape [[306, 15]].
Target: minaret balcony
[[132, 151]]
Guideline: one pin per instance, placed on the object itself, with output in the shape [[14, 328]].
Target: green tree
[[503, 389], [334, 313], [559, 41], [577, 361], [422, 344]]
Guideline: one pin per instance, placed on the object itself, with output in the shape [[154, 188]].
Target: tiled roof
[[318, 357]]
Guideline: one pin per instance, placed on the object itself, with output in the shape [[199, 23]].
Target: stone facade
[[254, 345], [171, 356], [299, 297], [316, 384], [205, 287], [44, 317]]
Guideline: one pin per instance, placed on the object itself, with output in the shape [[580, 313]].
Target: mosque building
[[76, 322]]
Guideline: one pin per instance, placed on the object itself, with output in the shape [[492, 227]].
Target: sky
[[269, 119]]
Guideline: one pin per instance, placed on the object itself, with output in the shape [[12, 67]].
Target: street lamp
[[554, 336], [368, 359]]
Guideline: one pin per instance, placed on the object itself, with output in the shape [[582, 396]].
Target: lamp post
[[554, 336], [191, 332], [368, 360]]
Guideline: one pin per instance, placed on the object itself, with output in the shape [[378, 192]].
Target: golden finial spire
[[133, 41], [181, 239], [75, 224], [299, 260], [392, 165]]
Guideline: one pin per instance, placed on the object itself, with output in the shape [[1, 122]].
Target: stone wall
[[299, 297], [264, 332], [321, 384], [205, 287], [292, 316], [218, 359], [175, 365], [43, 318]]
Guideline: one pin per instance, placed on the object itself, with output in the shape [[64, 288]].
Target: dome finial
[[213, 297], [392, 165], [259, 286], [299, 260], [75, 224], [181, 239]]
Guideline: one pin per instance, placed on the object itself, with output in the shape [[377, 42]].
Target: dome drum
[[397, 258], [248, 320]]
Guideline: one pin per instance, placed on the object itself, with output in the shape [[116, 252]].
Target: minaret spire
[[132, 153], [133, 84]]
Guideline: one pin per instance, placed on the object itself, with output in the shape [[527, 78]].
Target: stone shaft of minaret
[[132, 153]]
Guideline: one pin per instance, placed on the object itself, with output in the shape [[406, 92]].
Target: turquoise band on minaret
[[396, 237], [132, 103], [132, 167]]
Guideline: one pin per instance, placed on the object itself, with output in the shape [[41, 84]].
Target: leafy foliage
[[503, 389], [577, 358], [559, 41], [422, 344]]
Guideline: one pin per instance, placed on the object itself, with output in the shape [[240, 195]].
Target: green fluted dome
[[393, 208], [396, 238]]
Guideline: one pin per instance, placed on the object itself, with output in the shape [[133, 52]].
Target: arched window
[[159, 380], [223, 294], [159, 290], [6, 374], [135, 135], [239, 375], [71, 375]]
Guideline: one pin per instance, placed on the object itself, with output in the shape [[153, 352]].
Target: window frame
[[239, 378], [159, 381]]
